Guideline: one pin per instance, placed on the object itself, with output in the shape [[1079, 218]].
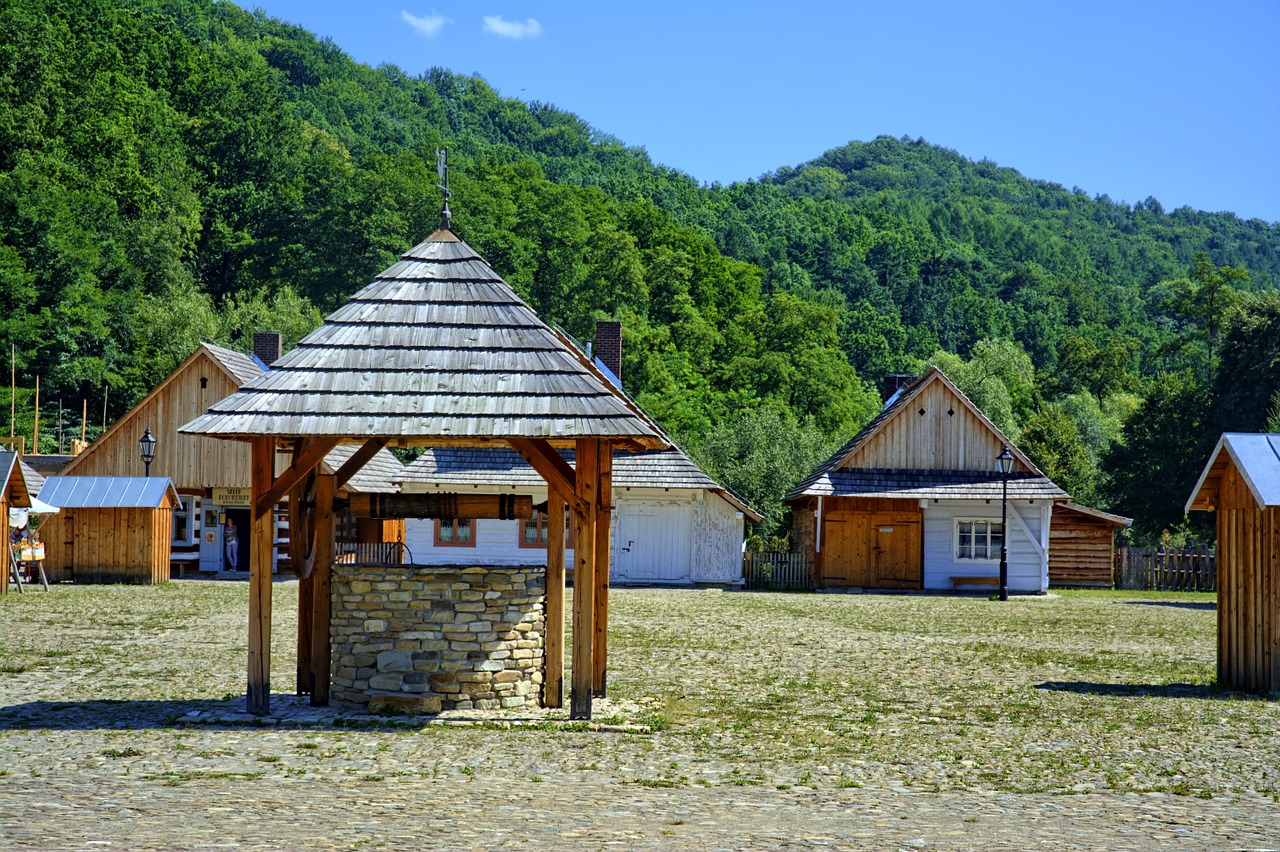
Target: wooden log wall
[[1081, 550], [108, 545], [1248, 588]]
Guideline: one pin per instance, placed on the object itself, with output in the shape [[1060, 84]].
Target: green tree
[[1054, 443]]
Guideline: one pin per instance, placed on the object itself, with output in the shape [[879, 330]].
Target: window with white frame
[[184, 521], [978, 539]]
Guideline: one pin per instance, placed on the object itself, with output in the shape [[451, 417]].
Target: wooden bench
[[991, 582]]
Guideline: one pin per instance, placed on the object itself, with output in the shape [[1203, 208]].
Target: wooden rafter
[[308, 453], [358, 459], [558, 473]]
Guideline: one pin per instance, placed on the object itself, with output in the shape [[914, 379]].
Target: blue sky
[[1176, 100]]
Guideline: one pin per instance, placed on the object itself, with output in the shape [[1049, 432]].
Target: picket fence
[[1185, 569], [778, 571]]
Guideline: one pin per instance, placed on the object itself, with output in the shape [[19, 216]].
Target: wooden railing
[[376, 553], [1186, 569], [778, 570]]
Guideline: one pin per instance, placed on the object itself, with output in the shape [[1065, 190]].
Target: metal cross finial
[[442, 169]]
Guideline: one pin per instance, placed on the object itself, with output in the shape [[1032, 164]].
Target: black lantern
[[1004, 464], [147, 444]]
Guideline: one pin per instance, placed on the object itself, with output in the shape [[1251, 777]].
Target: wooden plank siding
[[129, 545], [1081, 551], [189, 460], [1248, 587], [935, 440]]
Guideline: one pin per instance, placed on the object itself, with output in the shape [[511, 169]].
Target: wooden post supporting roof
[[584, 576], [600, 638], [320, 645], [260, 553], [553, 658], [306, 625]]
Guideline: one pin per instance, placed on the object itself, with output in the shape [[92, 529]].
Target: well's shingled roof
[[438, 347]]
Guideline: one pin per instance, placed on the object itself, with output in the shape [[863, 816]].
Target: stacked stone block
[[423, 639]]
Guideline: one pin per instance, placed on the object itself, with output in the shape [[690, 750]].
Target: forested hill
[[172, 170]]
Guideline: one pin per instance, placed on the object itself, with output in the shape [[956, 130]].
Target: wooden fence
[[1186, 569], [374, 553], [778, 571]]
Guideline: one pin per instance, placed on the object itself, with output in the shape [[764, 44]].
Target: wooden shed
[[14, 494], [112, 529], [1082, 546], [1241, 483]]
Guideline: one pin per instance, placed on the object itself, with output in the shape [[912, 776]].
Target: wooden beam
[[321, 649], [584, 576], [358, 459], [558, 473], [305, 621], [260, 547], [604, 504], [553, 659], [387, 506], [306, 455]]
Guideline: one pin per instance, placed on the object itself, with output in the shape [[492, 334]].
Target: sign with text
[[232, 497]]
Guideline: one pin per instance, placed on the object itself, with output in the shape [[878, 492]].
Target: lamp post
[[1004, 463], [147, 443]]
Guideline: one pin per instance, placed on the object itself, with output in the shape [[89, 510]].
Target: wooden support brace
[[600, 641], [310, 452], [261, 550], [321, 653], [553, 659], [584, 576], [559, 475], [358, 459]]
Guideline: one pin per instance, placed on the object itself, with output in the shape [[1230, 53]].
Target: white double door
[[654, 544]]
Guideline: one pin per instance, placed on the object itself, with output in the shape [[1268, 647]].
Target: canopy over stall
[[437, 351]]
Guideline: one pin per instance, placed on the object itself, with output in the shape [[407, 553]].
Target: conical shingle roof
[[438, 349]]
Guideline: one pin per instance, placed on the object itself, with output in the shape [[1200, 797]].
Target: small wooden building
[[14, 494], [1082, 546], [1241, 483], [913, 501], [112, 529]]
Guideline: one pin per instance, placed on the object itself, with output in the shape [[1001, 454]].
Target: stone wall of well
[[430, 638]]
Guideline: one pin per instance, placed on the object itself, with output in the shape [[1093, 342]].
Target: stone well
[[426, 638]]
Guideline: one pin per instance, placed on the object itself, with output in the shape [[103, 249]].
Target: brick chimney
[[894, 383], [268, 346], [608, 346]]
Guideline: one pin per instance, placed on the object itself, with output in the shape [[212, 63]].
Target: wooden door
[[896, 548], [846, 550]]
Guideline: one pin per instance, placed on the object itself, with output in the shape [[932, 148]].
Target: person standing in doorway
[[233, 544]]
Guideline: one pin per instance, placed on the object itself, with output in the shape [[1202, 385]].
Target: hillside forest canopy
[[174, 171]]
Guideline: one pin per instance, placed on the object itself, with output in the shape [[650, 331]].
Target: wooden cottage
[[111, 529], [212, 477], [1241, 483], [913, 501], [14, 494], [437, 351], [671, 522], [1082, 546]]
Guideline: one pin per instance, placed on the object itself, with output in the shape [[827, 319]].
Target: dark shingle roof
[[932, 485], [438, 346], [381, 474], [476, 466], [239, 365]]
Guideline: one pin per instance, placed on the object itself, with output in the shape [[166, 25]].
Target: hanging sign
[[232, 497]]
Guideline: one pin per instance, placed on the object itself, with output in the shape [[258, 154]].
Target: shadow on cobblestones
[[1204, 606], [97, 715]]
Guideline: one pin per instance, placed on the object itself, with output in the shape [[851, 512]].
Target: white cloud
[[495, 25], [428, 25]]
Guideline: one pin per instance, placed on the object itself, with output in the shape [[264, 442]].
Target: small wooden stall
[[1241, 483], [1082, 546], [111, 529], [13, 495], [437, 351]]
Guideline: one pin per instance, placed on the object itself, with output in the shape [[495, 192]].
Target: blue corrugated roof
[[107, 492], [1257, 457]]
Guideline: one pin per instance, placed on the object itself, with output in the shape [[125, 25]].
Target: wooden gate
[[872, 550]]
